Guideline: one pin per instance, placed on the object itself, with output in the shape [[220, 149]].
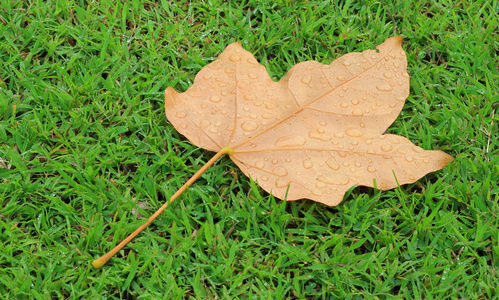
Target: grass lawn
[[86, 152]]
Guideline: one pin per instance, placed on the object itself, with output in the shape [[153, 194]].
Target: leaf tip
[[446, 159], [169, 90], [395, 40]]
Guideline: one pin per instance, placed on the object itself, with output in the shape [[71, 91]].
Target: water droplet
[[253, 116], [384, 87], [269, 105], [342, 154], [235, 57], [252, 61], [229, 71], [346, 163], [341, 95], [396, 64], [405, 74], [249, 126], [354, 132], [320, 130], [290, 141], [307, 164], [357, 112], [409, 158], [386, 148], [215, 98], [417, 149], [322, 123], [252, 75], [371, 169], [347, 63], [344, 104], [339, 179], [319, 136], [357, 164], [260, 164], [204, 123], [306, 79], [213, 130], [181, 114], [242, 83], [280, 171], [206, 77], [355, 143], [317, 193], [339, 134], [218, 124], [333, 164], [282, 182], [341, 78], [320, 185], [355, 101], [265, 178], [246, 108], [426, 160], [275, 161], [388, 75], [222, 85], [248, 97]]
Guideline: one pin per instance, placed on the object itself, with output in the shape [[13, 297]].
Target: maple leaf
[[314, 134]]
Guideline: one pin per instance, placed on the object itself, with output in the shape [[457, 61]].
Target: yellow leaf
[[315, 133]]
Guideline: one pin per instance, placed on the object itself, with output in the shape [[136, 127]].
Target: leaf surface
[[315, 133]]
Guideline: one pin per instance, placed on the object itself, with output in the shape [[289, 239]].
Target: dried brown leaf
[[315, 133]]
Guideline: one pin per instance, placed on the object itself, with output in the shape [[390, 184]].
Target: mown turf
[[85, 150]]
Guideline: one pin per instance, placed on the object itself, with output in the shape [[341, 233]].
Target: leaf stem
[[103, 259]]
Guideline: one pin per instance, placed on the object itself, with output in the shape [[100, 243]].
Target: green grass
[[85, 149]]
